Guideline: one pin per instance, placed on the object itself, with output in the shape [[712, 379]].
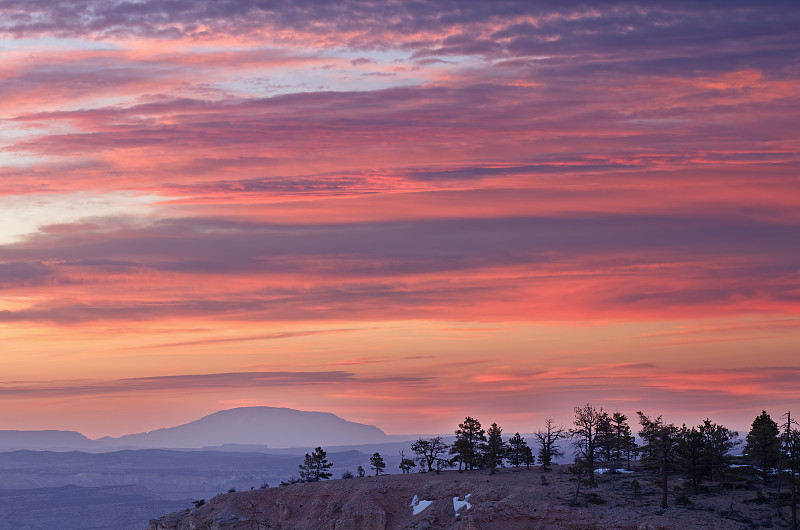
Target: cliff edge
[[510, 499]]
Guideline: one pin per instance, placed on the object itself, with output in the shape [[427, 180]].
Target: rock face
[[512, 500]]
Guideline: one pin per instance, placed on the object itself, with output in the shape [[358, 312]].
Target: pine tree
[[527, 456], [494, 449], [467, 446], [622, 437], [360, 472], [377, 463], [718, 442], [584, 436], [662, 437], [629, 448], [689, 454], [315, 466], [606, 442], [763, 444], [517, 447], [429, 452], [790, 459]]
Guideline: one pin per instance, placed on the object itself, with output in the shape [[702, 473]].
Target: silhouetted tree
[[516, 450], [630, 449], [636, 487], [360, 472], [467, 446], [584, 436], [689, 453], [623, 439], [406, 463], [527, 456], [377, 463], [790, 459], [606, 442], [429, 452], [315, 466], [763, 444], [662, 437], [582, 473], [494, 449], [548, 443], [718, 442]]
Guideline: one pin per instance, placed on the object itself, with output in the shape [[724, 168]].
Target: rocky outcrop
[[510, 500]]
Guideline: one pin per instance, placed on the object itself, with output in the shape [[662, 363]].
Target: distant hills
[[41, 440], [265, 426], [257, 427]]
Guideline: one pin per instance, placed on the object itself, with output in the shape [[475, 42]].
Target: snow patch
[[418, 506], [601, 470], [458, 504]]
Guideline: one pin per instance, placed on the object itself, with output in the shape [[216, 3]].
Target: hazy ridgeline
[[125, 488]]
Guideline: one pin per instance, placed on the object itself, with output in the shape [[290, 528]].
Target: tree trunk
[[664, 485], [730, 508], [794, 503]]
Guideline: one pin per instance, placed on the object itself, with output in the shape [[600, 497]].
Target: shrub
[[348, 474], [636, 487], [594, 498]]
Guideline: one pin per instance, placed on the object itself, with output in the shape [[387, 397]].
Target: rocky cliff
[[510, 500]]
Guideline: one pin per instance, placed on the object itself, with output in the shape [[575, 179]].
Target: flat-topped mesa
[[265, 426]]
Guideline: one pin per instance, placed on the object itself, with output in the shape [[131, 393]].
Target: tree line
[[605, 440]]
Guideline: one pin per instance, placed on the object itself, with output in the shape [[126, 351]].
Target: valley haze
[[61, 479]]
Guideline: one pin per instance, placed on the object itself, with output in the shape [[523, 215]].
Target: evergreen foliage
[[315, 466], [468, 443], [377, 463], [690, 456], [790, 460], [527, 456], [718, 442], [429, 452], [763, 444], [662, 439], [585, 436], [517, 448], [624, 441], [494, 450]]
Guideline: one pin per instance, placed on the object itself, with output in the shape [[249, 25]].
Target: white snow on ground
[[457, 504], [602, 470], [417, 506]]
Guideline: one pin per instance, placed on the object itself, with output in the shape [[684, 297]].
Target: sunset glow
[[398, 212]]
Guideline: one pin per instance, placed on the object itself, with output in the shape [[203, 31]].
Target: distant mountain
[[261, 426], [43, 440]]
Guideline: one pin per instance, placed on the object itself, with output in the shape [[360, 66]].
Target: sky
[[401, 212]]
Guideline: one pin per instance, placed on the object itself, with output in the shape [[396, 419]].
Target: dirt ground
[[510, 499]]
